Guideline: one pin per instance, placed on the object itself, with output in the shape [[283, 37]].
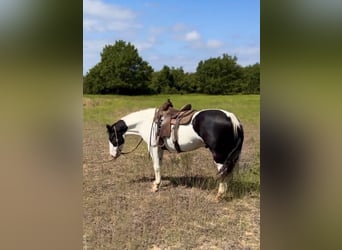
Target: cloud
[[91, 52], [247, 51], [144, 45], [94, 45], [192, 36], [107, 11], [247, 55], [188, 63], [210, 44], [214, 44], [153, 38], [178, 27], [100, 17]]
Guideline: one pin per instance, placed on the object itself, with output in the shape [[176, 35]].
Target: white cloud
[[143, 45], [214, 44], [98, 25], [188, 63], [105, 22], [192, 36], [150, 41], [247, 51], [156, 31], [100, 17], [178, 27], [247, 55], [91, 52], [94, 45], [107, 11], [153, 57]]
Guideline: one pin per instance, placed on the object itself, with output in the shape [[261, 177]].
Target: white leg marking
[[222, 187], [222, 190], [157, 159]]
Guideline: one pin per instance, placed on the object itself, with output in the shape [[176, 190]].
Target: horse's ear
[[169, 103], [109, 128]]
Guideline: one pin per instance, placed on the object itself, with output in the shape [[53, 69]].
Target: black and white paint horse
[[218, 130]]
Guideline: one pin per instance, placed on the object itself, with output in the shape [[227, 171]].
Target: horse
[[218, 130]]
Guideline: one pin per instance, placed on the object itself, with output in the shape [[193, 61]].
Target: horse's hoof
[[155, 188], [219, 197]]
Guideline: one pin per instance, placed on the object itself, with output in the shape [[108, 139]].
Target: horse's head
[[116, 137]]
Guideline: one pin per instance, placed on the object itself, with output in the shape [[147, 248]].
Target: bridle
[[116, 136], [117, 143]]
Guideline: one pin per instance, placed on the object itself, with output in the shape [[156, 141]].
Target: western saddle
[[166, 116]]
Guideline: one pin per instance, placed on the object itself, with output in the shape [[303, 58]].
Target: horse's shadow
[[237, 188]]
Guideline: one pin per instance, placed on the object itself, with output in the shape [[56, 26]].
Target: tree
[[167, 80], [93, 82], [190, 83], [252, 79], [120, 71], [219, 75]]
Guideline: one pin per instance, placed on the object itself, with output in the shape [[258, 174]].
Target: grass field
[[120, 212]]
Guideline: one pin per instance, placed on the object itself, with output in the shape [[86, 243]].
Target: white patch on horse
[[219, 166], [188, 139], [234, 120], [112, 149]]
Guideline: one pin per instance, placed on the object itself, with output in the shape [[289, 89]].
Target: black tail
[[233, 156]]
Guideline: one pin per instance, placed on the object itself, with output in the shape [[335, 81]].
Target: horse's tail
[[234, 154]]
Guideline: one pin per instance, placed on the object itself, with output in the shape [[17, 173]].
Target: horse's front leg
[[157, 157]]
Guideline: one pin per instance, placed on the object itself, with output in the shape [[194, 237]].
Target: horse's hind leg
[[223, 184]]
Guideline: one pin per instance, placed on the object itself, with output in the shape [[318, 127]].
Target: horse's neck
[[134, 120]]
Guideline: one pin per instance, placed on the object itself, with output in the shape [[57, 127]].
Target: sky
[[177, 33]]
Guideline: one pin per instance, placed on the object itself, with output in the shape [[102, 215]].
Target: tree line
[[122, 71]]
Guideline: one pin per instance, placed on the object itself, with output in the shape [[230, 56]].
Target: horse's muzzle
[[112, 157], [117, 155]]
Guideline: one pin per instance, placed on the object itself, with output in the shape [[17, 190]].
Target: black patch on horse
[[217, 131], [116, 132]]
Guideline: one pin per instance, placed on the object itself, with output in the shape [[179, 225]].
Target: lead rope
[[124, 153]]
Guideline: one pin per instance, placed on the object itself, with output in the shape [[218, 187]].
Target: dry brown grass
[[120, 212]]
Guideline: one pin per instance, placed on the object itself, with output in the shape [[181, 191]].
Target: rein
[[124, 153]]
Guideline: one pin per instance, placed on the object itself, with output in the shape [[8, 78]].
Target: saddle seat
[[167, 116]]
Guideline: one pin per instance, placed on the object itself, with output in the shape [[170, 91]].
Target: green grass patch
[[109, 108]]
